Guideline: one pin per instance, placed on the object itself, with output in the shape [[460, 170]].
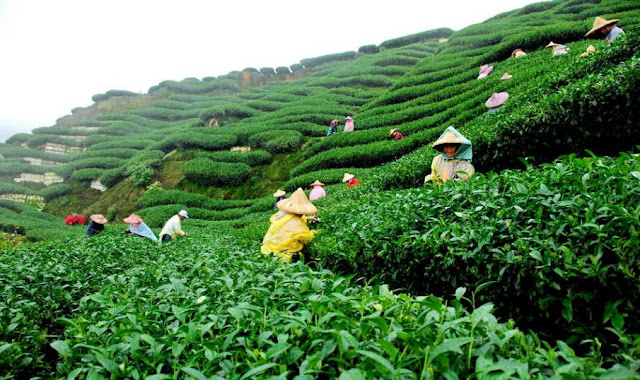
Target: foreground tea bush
[[215, 308], [556, 245]]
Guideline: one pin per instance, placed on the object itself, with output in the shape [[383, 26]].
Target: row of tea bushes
[[554, 246], [119, 306]]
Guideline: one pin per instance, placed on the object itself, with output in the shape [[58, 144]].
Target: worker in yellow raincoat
[[288, 232]]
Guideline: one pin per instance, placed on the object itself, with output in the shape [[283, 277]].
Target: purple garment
[[317, 192]]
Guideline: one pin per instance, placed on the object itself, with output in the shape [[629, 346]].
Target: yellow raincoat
[[287, 235]]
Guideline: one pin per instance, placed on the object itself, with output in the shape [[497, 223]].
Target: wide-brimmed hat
[[551, 44], [599, 23], [317, 183], [347, 177], [590, 49], [497, 99], [506, 76], [447, 137], [348, 118], [132, 219], [484, 71], [98, 218], [517, 53], [297, 203], [279, 193], [183, 213]]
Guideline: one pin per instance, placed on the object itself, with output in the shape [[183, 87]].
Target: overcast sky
[[56, 54]]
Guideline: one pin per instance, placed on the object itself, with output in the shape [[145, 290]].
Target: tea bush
[[204, 171], [252, 158], [557, 245], [211, 307]]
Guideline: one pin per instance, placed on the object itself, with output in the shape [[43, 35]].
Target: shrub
[[197, 140], [86, 174], [296, 67], [282, 70], [267, 71], [205, 172], [112, 176], [312, 62], [55, 191], [252, 158], [277, 141], [418, 37], [368, 49], [111, 94], [165, 197]]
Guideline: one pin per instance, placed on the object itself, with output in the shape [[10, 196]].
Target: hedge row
[[252, 158], [312, 62], [206, 172], [418, 37], [164, 197], [156, 216], [277, 141]]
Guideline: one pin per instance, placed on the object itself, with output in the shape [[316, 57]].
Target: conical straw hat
[[98, 218], [484, 71], [551, 44], [448, 138], [132, 219], [518, 53], [347, 177], [497, 99], [599, 23], [297, 203], [279, 193], [317, 183], [506, 76], [391, 131]]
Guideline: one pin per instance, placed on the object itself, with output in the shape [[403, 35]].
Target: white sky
[[56, 54]]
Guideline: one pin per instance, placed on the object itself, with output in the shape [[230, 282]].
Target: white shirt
[[172, 228]]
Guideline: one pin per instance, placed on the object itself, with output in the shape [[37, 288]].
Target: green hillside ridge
[[533, 249]]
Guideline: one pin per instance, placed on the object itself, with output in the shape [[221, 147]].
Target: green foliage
[[296, 67], [199, 140], [86, 174], [554, 257], [319, 324], [312, 62], [94, 162], [252, 158], [277, 141], [267, 71], [282, 70], [418, 37], [166, 197], [112, 176], [205, 172], [368, 49], [111, 94]]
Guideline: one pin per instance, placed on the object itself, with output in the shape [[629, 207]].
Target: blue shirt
[[614, 33]]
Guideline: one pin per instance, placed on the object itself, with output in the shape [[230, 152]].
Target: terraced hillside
[[552, 247]]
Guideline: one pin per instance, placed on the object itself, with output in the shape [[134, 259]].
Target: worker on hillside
[[288, 232], [96, 225], [607, 28], [333, 127], [318, 191], [278, 195], [454, 162], [348, 124], [350, 180], [396, 135], [173, 227], [517, 53], [557, 49], [74, 218], [496, 101], [138, 227], [484, 71]]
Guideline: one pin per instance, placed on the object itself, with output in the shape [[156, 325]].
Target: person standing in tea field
[[74, 218], [557, 49], [606, 28], [333, 127], [278, 195], [454, 160], [288, 232], [138, 227], [350, 180], [348, 125], [318, 191], [396, 134], [173, 227], [96, 225]]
